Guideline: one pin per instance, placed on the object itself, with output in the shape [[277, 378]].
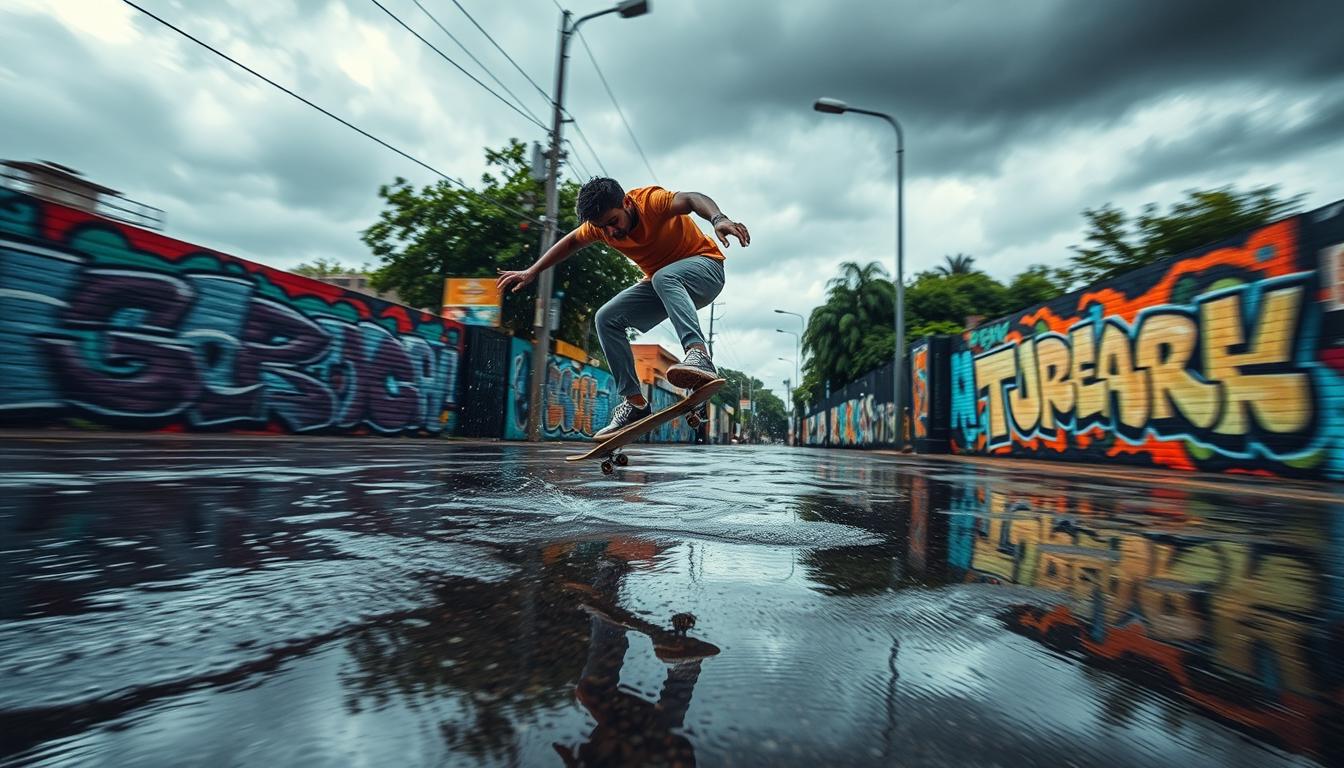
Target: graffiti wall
[[1241, 626], [860, 415], [1215, 360], [919, 390], [103, 324], [674, 431], [579, 397]]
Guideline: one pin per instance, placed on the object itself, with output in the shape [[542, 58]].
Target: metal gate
[[485, 364]]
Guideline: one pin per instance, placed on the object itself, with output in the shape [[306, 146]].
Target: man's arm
[[519, 279], [696, 202]]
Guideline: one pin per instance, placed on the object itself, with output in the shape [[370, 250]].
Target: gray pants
[[675, 292]]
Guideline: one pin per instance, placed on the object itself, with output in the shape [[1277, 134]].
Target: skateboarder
[[683, 271]]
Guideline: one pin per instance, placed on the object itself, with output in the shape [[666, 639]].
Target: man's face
[[615, 223]]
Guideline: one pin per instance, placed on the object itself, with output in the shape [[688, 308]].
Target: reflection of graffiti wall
[[1215, 360], [1237, 625], [579, 398], [107, 324]]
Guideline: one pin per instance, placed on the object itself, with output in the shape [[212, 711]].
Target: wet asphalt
[[261, 602]]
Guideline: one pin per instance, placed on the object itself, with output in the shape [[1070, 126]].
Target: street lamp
[[797, 345], [541, 319], [836, 107]]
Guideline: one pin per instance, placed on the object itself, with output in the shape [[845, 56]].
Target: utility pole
[[541, 321], [710, 341]]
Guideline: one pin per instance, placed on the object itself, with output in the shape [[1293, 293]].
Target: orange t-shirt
[[659, 238]]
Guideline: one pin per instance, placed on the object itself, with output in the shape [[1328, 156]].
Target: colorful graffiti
[[860, 415], [1215, 360], [1230, 622], [579, 397], [675, 431], [107, 324], [919, 389]]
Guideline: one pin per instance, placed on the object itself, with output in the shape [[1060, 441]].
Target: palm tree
[[839, 337], [956, 265]]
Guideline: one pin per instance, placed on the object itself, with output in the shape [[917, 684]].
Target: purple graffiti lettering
[[113, 367]]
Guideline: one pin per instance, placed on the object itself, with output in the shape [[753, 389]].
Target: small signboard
[[471, 300]]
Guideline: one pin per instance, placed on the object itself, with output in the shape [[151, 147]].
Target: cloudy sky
[[1015, 120]]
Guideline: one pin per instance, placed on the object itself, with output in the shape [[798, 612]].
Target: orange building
[[652, 362]]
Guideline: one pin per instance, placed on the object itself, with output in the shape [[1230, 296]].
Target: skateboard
[[610, 448]]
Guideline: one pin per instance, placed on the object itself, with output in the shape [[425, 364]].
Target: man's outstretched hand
[[729, 227], [514, 280]]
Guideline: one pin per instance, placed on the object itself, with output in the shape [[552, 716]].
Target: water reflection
[[1234, 606]]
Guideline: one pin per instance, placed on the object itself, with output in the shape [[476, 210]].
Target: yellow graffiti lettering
[[1279, 402], [1052, 364], [991, 371], [1128, 385], [1025, 399], [1165, 345], [1090, 392]]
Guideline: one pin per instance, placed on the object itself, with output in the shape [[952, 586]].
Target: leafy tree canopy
[[423, 236]]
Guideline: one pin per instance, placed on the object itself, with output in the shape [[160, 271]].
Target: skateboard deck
[[611, 446]]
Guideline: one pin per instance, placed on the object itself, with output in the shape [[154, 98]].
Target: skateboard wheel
[[622, 460], [693, 421], [607, 467]]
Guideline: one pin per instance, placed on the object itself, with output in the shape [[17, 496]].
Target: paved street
[[251, 601]]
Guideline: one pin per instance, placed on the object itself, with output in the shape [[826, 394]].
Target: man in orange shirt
[[683, 271]]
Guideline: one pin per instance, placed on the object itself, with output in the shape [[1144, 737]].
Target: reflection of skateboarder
[[631, 730], [683, 271]]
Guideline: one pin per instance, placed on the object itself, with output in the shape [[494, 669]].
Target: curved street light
[[837, 107]]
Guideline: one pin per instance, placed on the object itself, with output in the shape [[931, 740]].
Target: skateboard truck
[[614, 459]]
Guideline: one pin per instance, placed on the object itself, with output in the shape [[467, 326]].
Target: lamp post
[[797, 345], [837, 107], [541, 319]]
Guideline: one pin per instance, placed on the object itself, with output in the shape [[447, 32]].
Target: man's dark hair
[[598, 196]]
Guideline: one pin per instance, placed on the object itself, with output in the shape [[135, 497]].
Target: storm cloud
[[1017, 117]]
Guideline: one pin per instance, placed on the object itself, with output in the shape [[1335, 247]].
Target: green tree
[[961, 264], [771, 419], [423, 236], [852, 332], [1115, 244], [324, 267], [1037, 285], [950, 299]]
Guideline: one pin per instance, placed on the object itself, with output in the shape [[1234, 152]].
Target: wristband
[[715, 220]]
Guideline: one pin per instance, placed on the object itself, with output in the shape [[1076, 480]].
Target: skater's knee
[[606, 317]]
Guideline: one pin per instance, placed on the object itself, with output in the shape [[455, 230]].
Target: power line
[[617, 105], [584, 139], [452, 37], [501, 50], [574, 153], [332, 115], [446, 58]]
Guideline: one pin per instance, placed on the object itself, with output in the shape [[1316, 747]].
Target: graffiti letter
[[1165, 345], [1090, 400], [1280, 401], [991, 371], [1052, 362], [118, 369], [1128, 387], [1025, 398]]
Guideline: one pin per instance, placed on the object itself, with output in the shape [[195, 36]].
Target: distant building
[[59, 184], [652, 362], [359, 281]]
